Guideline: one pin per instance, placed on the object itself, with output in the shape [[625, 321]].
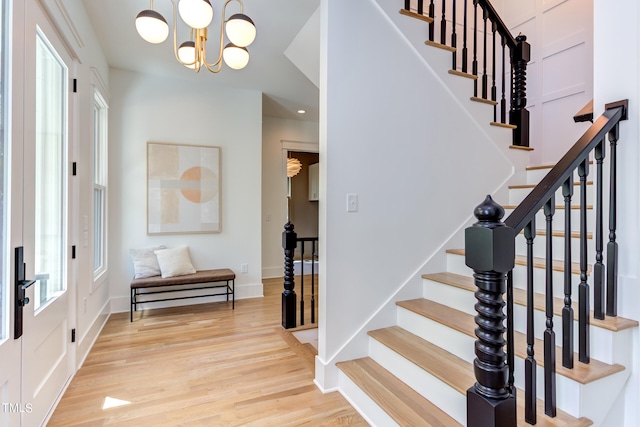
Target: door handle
[[24, 284], [21, 286]]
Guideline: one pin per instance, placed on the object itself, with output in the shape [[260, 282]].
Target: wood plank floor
[[201, 365]]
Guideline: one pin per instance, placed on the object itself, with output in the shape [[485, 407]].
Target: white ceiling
[[280, 24]]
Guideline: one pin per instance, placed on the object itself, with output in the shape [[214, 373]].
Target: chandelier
[[198, 14]]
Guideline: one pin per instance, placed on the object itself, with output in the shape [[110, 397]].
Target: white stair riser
[[436, 391], [558, 220], [459, 344], [517, 195], [465, 301], [534, 176], [455, 264], [369, 409], [557, 247]]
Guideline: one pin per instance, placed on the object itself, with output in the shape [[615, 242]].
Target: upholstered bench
[[211, 278]]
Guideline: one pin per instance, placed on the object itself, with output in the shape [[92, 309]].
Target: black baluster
[[510, 334], [494, 96], [490, 252], [443, 24], [612, 246], [530, 414], [313, 281], [485, 77], [432, 15], [454, 37], [420, 10], [464, 39], [503, 100], [407, 5], [583, 287], [302, 244], [474, 63], [289, 242], [549, 334], [519, 115], [567, 310], [598, 268]]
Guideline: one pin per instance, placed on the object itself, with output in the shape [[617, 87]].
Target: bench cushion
[[201, 276]]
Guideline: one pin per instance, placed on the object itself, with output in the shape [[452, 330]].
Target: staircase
[[418, 371]]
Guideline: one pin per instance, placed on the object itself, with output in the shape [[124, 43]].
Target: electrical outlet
[[244, 268]]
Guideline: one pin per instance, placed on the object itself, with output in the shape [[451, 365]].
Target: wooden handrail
[[526, 210], [585, 114], [495, 18]]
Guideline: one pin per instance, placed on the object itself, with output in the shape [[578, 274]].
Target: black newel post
[[289, 295], [490, 252], [519, 115]]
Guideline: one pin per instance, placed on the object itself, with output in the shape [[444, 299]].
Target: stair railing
[[290, 242], [481, 18], [490, 252]]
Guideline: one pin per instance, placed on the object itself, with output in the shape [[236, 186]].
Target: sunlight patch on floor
[[110, 402]]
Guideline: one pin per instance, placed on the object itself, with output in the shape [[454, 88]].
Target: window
[[50, 172], [100, 121]]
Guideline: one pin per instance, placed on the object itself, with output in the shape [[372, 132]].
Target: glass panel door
[[50, 197]]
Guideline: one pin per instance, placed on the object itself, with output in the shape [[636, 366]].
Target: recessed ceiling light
[[301, 111]]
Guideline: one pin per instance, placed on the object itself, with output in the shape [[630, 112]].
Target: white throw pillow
[[145, 262], [175, 262]]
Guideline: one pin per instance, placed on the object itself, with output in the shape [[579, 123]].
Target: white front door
[[10, 351], [41, 208]]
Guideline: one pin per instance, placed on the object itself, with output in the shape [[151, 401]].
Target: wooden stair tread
[[557, 265], [463, 74], [522, 186], [520, 147], [559, 233], [438, 362], [440, 46], [416, 15], [610, 323], [484, 100], [455, 372], [549, 166], [465, 323], [401, 402], [589, 207], [503, 125]]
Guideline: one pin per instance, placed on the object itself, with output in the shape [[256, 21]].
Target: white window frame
[[100, 181]]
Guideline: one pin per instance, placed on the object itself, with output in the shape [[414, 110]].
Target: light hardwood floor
[[201, 365]]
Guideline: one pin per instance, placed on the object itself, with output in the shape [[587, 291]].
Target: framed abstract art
[[183, 189]]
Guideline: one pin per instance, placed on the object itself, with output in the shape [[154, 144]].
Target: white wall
[[560, 33], [191, 111], [616, 71], [394, 134], [274, 190]]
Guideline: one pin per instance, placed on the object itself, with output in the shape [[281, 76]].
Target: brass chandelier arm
[[216, 66]]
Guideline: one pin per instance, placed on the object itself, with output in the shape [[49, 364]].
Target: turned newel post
[[490, 252], [289, 243], [519, 115]]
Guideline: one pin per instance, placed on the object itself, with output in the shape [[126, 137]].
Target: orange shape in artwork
[[199, 184]]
